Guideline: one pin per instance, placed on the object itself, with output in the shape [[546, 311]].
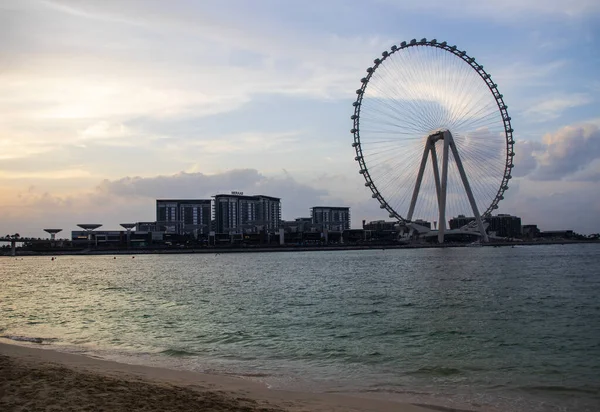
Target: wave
[[566, 390], [441, 408], [372, 312], [436, 371], [177, 353], [30, 339]]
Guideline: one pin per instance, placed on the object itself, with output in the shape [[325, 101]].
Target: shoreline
[[33, 378], [286, 248]]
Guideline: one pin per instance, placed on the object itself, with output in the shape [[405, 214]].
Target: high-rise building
[[237, 213], [184, 216], [331, 218]]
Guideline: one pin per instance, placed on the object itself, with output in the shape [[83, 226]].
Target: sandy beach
[[33, 379]]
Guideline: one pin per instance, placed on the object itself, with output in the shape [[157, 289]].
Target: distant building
[[503, 225], [424, 223], [99, 237], [300, 224], [460, 221], [237, 213], [530, 231], [184, 216], [379, 225], [111, 238], [557, 234], [331, 218], [149, 227]]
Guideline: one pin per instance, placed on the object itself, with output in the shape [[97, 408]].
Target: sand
[[33, 379]]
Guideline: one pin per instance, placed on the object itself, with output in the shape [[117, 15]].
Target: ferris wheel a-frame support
[[441, 183]]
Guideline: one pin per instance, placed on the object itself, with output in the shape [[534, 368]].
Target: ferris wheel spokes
[[409, 100], [442, 184]]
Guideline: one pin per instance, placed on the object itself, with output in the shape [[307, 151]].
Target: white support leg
[[413, 201], [436, 171], [465, 181], [444, 186]]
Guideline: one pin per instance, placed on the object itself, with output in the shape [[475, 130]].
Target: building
[[460, 221], [111, 238], [98, 238], [331, 218], [557, 234], [184, 216], [238, 213], [530, 231], [379, 225], [423, 223], [149, 227], [300, 224], [503, 225]]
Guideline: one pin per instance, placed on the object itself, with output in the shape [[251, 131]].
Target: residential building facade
[[238, 213], [331, 218], [184, 216]]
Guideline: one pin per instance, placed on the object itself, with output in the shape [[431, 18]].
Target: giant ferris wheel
[[432, 135]]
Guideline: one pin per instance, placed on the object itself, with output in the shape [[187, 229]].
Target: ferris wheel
[[432, 135]]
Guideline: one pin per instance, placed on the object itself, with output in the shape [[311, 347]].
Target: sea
[[479, 329]]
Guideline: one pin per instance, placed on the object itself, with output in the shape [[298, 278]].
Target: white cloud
[[551, 107], [27, 211], [495, 9], [43, 175], [570, 153]]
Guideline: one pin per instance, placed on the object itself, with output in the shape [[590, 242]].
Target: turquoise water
[[476, 328]]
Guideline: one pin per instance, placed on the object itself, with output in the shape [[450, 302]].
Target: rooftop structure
[[89, 226], [52, 233]]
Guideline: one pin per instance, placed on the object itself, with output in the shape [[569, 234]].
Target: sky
[[108, 105]]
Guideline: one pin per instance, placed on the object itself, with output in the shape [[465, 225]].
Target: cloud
[[552, 107], [517, 9], [200, 185], [28, 211], [525, 161], [567, 151], [87, 70], [571, 153]]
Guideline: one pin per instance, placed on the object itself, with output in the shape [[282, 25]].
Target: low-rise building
[[379, 225], [503, 225], [300, 224], [557, 234], [530, 231]]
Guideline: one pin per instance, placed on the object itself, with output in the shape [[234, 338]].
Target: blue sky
[[108, 105]]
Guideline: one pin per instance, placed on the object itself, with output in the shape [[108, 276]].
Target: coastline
[[285, 248], [33, 378]]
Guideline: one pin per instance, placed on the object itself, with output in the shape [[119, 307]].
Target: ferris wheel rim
[[493, 88]]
